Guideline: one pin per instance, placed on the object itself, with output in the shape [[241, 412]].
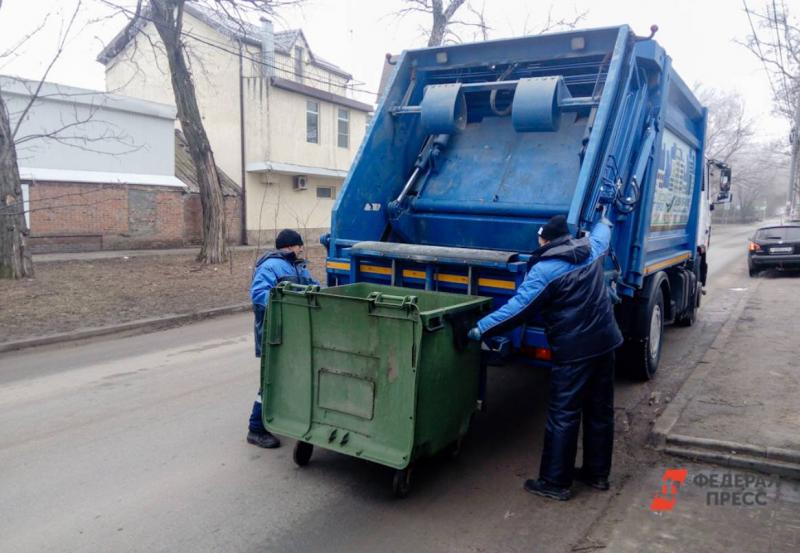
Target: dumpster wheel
[[401, 483], [302, 453]]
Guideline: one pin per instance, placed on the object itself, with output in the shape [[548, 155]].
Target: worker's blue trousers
[[582, 388], [256, 424]]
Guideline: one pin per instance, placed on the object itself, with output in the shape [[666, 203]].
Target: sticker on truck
[[675, 178]]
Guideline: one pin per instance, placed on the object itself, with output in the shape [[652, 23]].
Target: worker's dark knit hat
[[287, 238], [556, 227]]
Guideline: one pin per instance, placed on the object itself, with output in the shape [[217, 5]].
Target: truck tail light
[[542, 354], [754, 247]]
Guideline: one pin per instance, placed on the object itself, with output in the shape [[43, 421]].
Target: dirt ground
[[77, 294]]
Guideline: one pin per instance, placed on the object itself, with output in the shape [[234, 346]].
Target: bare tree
[[445, 27], [775, 41], [15, 257], [758, 170], [728, 129], [441, 16]]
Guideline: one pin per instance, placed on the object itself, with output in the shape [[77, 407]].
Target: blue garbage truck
[[473, 147]]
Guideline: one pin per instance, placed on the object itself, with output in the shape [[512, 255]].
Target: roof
[[233, 28], [185, 169], [300, 88], [55, 92]]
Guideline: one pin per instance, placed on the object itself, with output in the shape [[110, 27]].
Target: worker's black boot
[[545, 489], [263, 439], [596, 482]]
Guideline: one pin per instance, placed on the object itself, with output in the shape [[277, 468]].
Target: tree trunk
[[441, 20], [439, 27], [15, 258], [167, 16]]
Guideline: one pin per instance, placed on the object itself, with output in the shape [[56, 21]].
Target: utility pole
[[794, 173]]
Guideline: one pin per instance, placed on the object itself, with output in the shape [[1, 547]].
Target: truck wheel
[[302, 453], [640, 356], [401, 483]]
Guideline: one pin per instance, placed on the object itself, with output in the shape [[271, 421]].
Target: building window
[[298, 63], [327, 192], [312, 122], [343, 128]]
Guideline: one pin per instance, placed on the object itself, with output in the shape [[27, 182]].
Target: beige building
[[281, 120]]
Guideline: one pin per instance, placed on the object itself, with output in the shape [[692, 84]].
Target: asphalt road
[[137, 444]]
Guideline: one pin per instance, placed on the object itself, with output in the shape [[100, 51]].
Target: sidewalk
[[714, 510], [740, 407]]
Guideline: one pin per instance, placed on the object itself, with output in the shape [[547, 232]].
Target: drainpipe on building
[[243, 198]]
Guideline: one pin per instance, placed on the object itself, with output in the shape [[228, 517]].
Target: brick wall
[[85, 217]]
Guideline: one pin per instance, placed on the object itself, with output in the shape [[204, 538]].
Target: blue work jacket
[[567, 286]]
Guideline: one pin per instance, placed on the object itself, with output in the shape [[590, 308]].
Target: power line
[[780, 47], [760, 52]]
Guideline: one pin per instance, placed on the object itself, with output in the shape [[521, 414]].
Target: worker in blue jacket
[[567, 287], [284, 263]]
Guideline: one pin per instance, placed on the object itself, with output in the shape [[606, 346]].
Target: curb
[[142, 325], [769, 460], [669, 417], [733, 459], [734, 448]]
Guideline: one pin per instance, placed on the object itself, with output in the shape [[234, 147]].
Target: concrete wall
[[288, 132], [275, 204], [104, 133], [85, 217]]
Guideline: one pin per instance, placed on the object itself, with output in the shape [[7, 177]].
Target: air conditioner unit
[[300, 182]]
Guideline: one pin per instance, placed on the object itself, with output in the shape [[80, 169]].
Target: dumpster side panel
[[448, 389], [340, 373], [366, 379], [287, 375]]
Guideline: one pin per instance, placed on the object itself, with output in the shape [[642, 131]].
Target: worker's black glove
[[474, 334]]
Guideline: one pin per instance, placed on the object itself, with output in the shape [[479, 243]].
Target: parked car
[[774, 247]]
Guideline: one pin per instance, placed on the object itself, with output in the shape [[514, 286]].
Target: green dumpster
[[376, 372]]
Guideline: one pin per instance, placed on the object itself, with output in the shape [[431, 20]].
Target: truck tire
[[639, 356]]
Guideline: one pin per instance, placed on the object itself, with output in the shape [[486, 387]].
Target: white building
[[280, 119]]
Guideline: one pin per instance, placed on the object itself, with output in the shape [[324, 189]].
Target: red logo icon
[[671, 481]]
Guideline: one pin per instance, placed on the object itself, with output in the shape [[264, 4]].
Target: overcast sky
[[699, 35]]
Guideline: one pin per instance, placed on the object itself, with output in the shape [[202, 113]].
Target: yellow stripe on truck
[[408, 273], [377, 269], [494, 283], [652, 268]]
